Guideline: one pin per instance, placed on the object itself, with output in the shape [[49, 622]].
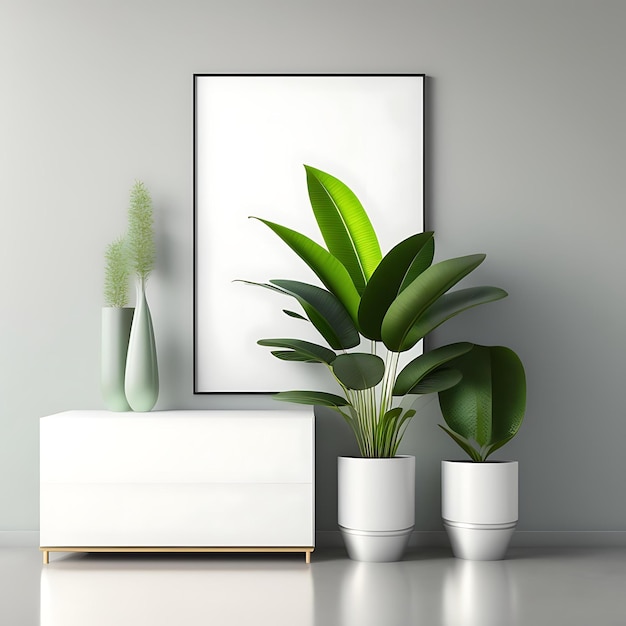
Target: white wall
[[527, 147]]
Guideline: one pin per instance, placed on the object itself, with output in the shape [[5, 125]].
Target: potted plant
[[482, 413], [116, 322], [370, 310]]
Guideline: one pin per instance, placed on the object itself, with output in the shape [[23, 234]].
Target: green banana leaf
[[451, 304], [389, 431], [328, 268], [290, 355], [415, 371], [320, 398], [359, 370], [464, 443], [326, 313], [398, 268], [344, 225], [312, 351], [406, 310], [294, 315], [264, 285], [437, 381], [488, 405], [492, 447], [415, 402], [385, 430]]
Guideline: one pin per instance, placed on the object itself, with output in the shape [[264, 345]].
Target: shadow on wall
[[333, 438]]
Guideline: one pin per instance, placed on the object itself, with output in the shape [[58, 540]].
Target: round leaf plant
[[486, 408]]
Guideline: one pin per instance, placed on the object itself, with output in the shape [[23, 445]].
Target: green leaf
[[359, 370], [495, 446], [399, 267], [387, 431], [414, 402], [465, 444], [295, 315], [312, 351], [287, 312], [488, 404], [329, 269], [319, 398], [423, 259], [344, 224], [326, 313], [426, 363], [323, 309], [290, 355], [406, 310], [451, 304], [508, 387], [264, 285], [439, 380]]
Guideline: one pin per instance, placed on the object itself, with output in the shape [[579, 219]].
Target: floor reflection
[[106, 590], [116, 591], [429, 588], [479, 593], [376, 594]]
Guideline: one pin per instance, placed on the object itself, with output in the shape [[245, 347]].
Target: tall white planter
[[479, 506], [376, 506]]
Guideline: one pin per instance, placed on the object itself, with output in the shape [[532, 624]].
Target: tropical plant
[[387, 302], [486, 408], [141, 232], [116, 273]]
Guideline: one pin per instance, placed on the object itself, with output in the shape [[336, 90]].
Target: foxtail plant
[[141, 233], [116, 274], [388, 303]]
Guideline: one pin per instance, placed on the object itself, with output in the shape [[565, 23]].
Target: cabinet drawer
[[89, 515], [177, 447]]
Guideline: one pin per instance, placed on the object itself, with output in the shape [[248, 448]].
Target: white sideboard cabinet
[[186, 481]]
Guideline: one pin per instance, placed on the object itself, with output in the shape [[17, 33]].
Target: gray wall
[[526, 154]]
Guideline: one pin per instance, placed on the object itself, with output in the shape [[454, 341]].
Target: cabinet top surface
[[186, 414]]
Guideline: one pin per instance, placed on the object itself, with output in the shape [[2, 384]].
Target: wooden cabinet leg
[[46, 557], [307, 557]]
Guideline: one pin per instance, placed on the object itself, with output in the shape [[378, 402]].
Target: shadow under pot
[[479, 506]]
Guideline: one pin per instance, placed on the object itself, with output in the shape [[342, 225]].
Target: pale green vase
[[116, 322], [142, 374]]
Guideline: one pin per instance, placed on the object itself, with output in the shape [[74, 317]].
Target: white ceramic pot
[[376, 506], [479, 507]]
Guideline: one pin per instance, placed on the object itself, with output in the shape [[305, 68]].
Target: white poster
[[253, 135]]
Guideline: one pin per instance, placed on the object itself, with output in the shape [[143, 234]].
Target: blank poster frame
[[252, 134]]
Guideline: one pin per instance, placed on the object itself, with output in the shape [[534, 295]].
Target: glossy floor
[[532, 587]]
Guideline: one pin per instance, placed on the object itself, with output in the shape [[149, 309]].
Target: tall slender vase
[[142, 374], [116, 322]]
